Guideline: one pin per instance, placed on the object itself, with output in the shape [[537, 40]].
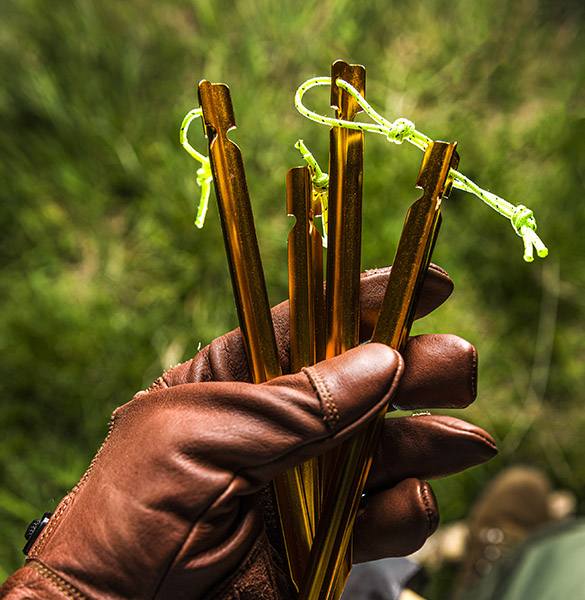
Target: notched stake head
[[439, 159], [218, 111], [298, 186], [346, 105]]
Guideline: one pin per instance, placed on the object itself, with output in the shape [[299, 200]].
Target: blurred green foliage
[[105, 281]]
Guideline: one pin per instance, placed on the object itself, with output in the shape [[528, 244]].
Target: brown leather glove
[[175, 502]]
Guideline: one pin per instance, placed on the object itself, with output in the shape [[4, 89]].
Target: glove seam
[[56, 518], [157, 384], [459, 430], [61, 584], [435, 267], [430, 513], [473, 372], [384, 270], [328, 405], [482, 437]]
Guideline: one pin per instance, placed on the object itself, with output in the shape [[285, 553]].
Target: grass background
[[105, 281]]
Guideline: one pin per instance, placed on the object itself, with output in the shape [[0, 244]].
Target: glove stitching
[[481, 437], [56, 518], [475, 434], [385, 270], [430, 513], [331, 413], [434, 267], [157, 384], [373, 272], [473, 372], [63, 586], [163, 381]]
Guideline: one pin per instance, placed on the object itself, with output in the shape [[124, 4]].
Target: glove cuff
[[35, 581]]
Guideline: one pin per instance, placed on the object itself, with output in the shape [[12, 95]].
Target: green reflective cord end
[[204, 175], [320, 181], [319, 178], [320, 198], [524, 224], [204, 179], [532, 242], [521, 217]]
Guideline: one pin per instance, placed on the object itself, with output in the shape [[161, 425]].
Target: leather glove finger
[[427, 447], [225, 358], [395, 522], [168, 505], [440, 372]]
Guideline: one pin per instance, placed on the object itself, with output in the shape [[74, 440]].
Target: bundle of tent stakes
[[318, 501]]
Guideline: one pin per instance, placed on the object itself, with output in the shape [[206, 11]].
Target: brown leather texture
[[175, 503]]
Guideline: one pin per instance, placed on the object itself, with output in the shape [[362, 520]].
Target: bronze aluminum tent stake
[[246, 273], [305, 272], [316, 272], [346, 149], [239, 234], [413, 255], [306, 304], [301, 292]]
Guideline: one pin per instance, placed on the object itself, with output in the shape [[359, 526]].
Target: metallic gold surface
[[413, 254], [301, 283], [303, 349], [239, 234], [327, 571], [316, 271], [346, 149], [249, 289]]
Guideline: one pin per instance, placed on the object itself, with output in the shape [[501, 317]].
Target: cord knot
[[401, 129], [321, 181], [522, 217], [204, 173]]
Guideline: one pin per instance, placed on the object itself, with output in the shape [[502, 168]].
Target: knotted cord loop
[[521, 217], [401, 130], [204, 175], [320, 184]]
